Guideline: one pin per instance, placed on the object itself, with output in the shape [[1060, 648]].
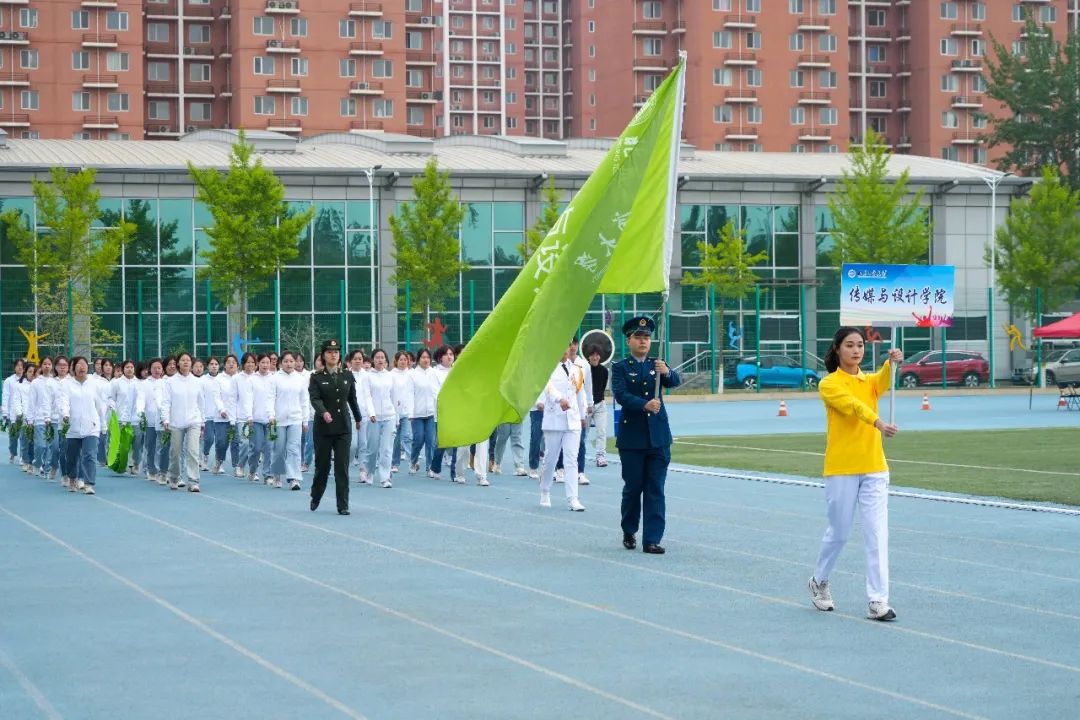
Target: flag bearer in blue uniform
[[644, 440]]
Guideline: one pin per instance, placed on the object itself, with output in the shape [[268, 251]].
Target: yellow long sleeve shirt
[[852, 443]]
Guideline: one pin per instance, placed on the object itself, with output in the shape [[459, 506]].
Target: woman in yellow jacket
[[856, 474]]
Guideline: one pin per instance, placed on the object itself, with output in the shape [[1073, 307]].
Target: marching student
[[169, 368], [565, 408], [356, 365], [307, 442], [123, 398], [138, 443], [536, 436], [102, 383], [599, 375], [215, 416], [424, 389], [509, 432], [856, 472], [9, 406], [182, 418], [244, 424], [291, 410], [63, 377], [263, 405], [403, 399], [230, 402], [148, 405], [82, 407], [42, 401], [26, 409], [383, 420], [444, 359]]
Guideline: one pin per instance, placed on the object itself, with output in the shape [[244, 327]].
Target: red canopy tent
[[1067, 328]]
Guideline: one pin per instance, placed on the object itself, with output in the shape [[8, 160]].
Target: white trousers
[[869, 494], [599, 436], [567, 441], [184, 450]]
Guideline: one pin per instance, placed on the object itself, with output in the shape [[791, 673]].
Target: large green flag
[[615, 236]]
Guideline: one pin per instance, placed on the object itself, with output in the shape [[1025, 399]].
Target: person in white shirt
[[359, 440], [123, 399], [182, 418], [536, 436], [28, 413], [587, 373], [82, 407], [137, 460], [422, 381], [147, 399], [244, 425], [102, 384], [169, 367], [444, 360], [60, 459], [41, 401], [480, 455], [307, 440], [230, 401], [403, 398], [215, 416], [383, 425], [565, 408], [291, 409], [263, 402], [8, 406]]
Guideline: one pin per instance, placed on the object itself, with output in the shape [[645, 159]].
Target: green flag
[[615, 236]]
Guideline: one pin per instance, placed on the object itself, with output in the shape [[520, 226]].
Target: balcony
[[283, 46], [198, 12], [967, 101], [423, 96], [679, 26], [966, 137], [365, 87], [284, 125], [100, 122], [740, 96], [740, 22], [17, 38], [205, 52], [96, 40], [14, 79], [873, 34], [487, 58], [856, 67], [739, 58], [814, 97], [363, 125], [973, 65], [14, 2], [812, 24], [226, 13], [282, 86], [814, 61], [904, 70], [98, 3], [166, 9], [872, 105], [365, 9], [162, 128], [283, 7], [904, 142], [161, 49], [744, 134], [649, 27], [640, 100], [364, 47], [199, 89], [14, 119], [815, 135], [650, 64], [495, 82], [100, 81], [419, 57], [162, 89], [967, 29]]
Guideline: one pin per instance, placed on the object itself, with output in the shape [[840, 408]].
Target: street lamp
[[992, 181], [370, 173]]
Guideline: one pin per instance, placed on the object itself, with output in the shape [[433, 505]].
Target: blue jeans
[[150, 445], [536, 438], [13, 439], [216, 435], [241, 446], [307, 446], [82, 458], [138, 441], [27, 448], [402, 438], [511, 432], [163, 454], [45, 453], [260, 449], [103, 444], [436, 461], [287, 453], [423, 436]]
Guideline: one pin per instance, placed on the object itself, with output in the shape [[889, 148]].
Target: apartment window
[[949, 11], [978, 11], [28, 18], [722, 114], [950, 153], [978, 47], [414, 40], [298, 106], [828, 116], [980, 121], [80, 60], [80, 20], [264, 65], [753, 6], [29, 100], [950, 119], [414, 5], [722, 77], [298, 27], [796, 78], [879, 125], [414, 115], [457, 22], [798, 148], [948, 46], [592, 74], [511, 98], [978, 83], [797, 115], [299, 67], [1048, 14], [875, 53], [511, 48], [457, 46], [80, 101], [827, 43], [158, 110], [264, 105], [414, 78], [723, 147], [653, 47], [158, 71], [383, 68], [199, 111], [722, 39], [1018, 13], [796, 41], [651, 10], [28, 59], [263, 25], [980, 156], [115, 20], [30, 135], [754, 77], [826, 7], [795, 7], [347, 28], [199, 72], [118, 102], [875, 18], [755, 147], [753, 40], [157, 32], [754, 114], [652, 82], [382, 29], [1019, 47], [950, 83], [827, 79], [489, 122], [721, 5], [511, 123], [384, 108], [347, 68], [457, 71], [116, 61]]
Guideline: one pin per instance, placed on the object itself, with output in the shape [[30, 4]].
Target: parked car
[[776, 371], [961, 366], [1065, 370]]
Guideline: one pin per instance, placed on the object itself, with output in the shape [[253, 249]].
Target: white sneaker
[[218, 469], [582, 480], [181, 484], [534, 474], [294, 484], [254, 477], [413, 469], [204, 464], [575, 505], [88, 489], [52, 474], [277, 482], [879, 610], [820, 595], [520, 471], [162, 480], [386, 484], [80, 484], [65, 483], [431, 474], [173, 485], [238, 472], [601, 462], [393, 468], [496, 469], [366, 479], [545, 499], [458, 479], [483, 482], [304, 468], [270, 481], [193, 487], [560, 476]]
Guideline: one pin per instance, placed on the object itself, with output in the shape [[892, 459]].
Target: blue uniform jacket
[[633, 384]]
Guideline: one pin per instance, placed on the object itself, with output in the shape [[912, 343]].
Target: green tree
[[253, 233], [68, 259], [1038, 246], [549, 215], [875, 220], [426, 244], [726, 266], [1041, 90]]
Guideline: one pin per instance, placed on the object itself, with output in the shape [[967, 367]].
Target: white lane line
[[547, 672], [562, 598], [42, 702], [220, 637], [891, 460]]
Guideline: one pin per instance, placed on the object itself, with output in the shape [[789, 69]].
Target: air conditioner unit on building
[[272, 43], [3, 35], [189, 51], [190, 128], [437, 95], [455, 107], [18, 36], [427, 20], [163, 128], [361, 86], [425, 96], [271, 4]]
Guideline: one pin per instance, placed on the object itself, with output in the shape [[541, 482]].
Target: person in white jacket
[[82, 407], [263, 403], [359, 439], [123, 399], [291, 409], [147, 403], [102, 383], [403, 397], [230, 400], [444, 360], [383, 425], [42, 399], [27, 411], [8, 406], [63, 377], [182, 418], [307, 440], [244, 425], [565, 412], [424, 386]]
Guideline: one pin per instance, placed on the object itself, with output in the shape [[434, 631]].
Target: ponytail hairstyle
[[832, 356]]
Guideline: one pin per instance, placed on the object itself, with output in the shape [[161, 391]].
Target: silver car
[[1067, 369]]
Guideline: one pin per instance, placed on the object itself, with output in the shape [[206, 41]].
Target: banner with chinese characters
[[906, 295]]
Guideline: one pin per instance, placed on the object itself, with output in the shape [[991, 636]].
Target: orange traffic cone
[[1061, 401], [925, 402], [783, 409]]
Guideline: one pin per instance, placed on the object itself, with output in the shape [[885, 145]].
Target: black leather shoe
[[343, 512], [629, 541], [314, 504], [653, 549]]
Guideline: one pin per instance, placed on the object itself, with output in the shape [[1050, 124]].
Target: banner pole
[[717, 345], [757, 336], [661, 339], [893, 369]]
